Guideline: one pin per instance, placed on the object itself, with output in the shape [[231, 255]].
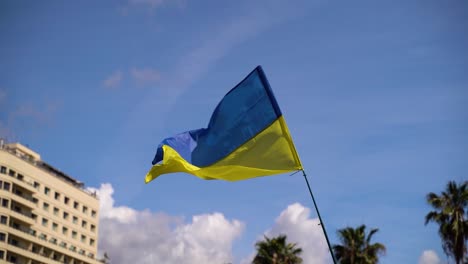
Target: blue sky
[[375, 94]]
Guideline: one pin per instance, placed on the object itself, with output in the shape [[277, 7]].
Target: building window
[[35, 249], [85, 209], [75, 220], [14, 242], [2, 254], [45, 206], [83, 239], [1, 184], [57, 196], [6, 186], [46, 190], [20, 177], [3, 169], [93, 228], [91, 242], [3, 219], [74, 234], [11, 173], [65, 215], [45, 222], [93, 213], [66, 200], [75, 205], [36, 185], [2, 237], [54, 226], [83, 224], [64, 230], [5, 203]]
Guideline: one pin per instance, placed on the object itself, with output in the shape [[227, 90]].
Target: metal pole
[[320, 218]]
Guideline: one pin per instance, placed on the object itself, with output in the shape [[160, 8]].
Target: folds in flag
[[246, 137]]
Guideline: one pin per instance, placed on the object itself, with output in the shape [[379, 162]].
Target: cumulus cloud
[[145, 75], [107, 210], [295, 222], [429, 257], [114, 80], [132, 236]]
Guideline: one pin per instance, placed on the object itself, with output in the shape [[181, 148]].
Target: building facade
[[46, 216]]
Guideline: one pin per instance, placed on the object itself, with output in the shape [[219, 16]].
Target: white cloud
[[145, 75], [429, 257], [114, 80], [107, 210], [295, 222], [152, 4], [132, 236]]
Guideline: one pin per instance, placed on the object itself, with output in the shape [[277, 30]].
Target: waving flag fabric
[[246, 137]]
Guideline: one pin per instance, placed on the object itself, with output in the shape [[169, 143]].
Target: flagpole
[[320, 218]]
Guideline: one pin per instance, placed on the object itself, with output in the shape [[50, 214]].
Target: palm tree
[[277, 251], [451, 215], [356, 247]]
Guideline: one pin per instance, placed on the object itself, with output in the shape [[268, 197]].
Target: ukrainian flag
[[246, 137]]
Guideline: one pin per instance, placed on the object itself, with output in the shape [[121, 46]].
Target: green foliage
[[277, 251], [451, 215], [356, 247]]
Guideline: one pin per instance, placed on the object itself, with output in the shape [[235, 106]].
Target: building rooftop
[[32, 157]]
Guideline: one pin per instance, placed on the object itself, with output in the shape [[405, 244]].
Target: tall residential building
[[46, 216]]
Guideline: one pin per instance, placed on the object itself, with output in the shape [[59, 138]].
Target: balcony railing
[[20, 178], [31, 232], [24, 214], [26, 181], [29, 199], [34, 252]]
